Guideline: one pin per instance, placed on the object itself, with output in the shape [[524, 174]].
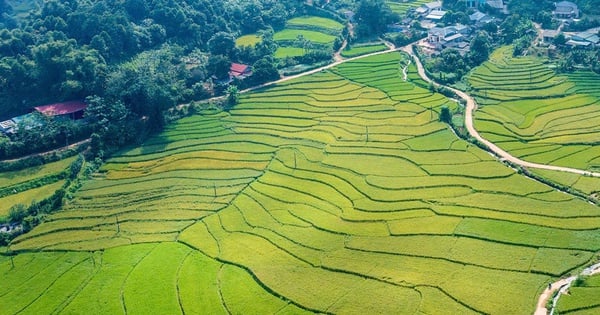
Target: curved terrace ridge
[[471, 107]]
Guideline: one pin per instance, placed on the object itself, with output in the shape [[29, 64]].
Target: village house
[[72, 110], [7, 126], [435, 16], [427, 8], [439, 38], [566, 10], [479, 19], [548, 36], [584, 39], [67, 110], [236, 71], [239, 71]]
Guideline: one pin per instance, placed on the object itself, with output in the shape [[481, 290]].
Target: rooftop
[[565, 4], [436, 15], [496, 4], [477, 16], [64, 108], [238, 69], [453, 37], [433, 5]]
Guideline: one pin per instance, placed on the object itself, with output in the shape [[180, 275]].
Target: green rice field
[[401, 7], [338, 192], [317, 30], [358, 50], [247, 40], [315, 21], [583, 298], [31, 184], [313, 36], [283, 52], [539, 116]]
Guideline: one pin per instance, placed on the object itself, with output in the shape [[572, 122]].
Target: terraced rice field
[[317, 30], [358, 50], [401, 7], [539, 116], [34, 183], [583, 299], [315, 21], [339, 192]]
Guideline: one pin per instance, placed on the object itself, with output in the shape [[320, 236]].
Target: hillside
[[339, 192], [539, 116]]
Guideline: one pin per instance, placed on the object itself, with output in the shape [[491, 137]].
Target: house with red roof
[[72, 109], [240, 71]]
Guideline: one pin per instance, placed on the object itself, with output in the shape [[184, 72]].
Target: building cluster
[[568, 12], [456, 36], [67, 110], [430, 17]]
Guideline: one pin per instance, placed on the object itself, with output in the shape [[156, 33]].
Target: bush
[[445, 115], [17, 213]]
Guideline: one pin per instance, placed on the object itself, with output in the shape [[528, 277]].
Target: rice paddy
[[583, 298], [363, 49], [539, 116], [31, 184], [318, 31], [339, 192], [401, 7], [247, 40]]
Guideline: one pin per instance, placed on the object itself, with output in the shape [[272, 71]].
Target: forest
[[144, 55]]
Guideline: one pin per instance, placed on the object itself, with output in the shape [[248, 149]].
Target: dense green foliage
[[73, 49]]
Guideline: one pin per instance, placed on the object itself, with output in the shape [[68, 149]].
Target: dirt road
[[470, 109]]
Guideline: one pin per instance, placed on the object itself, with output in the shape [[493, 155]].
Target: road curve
[[471, 107], [563, 286]]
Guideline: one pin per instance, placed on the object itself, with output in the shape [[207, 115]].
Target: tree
[[445, 115], [232, 96], [218, 66], [560, 39], [17, 213], [264, 70], [373, 16], [480, 48], [222, 43], [545, 19]]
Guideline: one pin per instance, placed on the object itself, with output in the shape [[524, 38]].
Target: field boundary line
[[470, 109]]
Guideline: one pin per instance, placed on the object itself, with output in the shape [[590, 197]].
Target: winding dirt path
[[470, 109], [562, 285]]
